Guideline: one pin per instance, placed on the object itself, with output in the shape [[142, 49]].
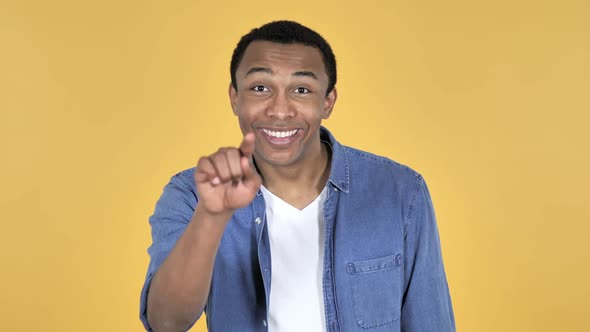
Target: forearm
[[179, 290]]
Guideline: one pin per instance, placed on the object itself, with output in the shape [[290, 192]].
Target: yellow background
[[102, 101]]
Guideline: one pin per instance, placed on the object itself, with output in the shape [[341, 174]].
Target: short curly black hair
[[286, 32]]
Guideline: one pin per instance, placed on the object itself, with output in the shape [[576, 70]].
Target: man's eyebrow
[[305, 73], [259, 70], [266, 70]]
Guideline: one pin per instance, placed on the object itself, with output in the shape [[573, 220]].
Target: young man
[[292, 231]]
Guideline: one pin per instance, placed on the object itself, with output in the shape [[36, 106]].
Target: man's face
[[281, 98]]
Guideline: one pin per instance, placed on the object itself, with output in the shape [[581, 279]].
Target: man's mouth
[[280, 134], [281, 137]]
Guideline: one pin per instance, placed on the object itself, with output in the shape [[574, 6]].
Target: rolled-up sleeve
[[171, 216], [426, 303]]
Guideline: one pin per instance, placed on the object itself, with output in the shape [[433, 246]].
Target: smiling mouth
[[280, 134], [281, 138]]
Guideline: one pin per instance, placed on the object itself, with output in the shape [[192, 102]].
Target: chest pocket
[[376, 290]]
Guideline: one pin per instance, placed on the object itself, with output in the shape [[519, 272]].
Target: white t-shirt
[[297, 258]]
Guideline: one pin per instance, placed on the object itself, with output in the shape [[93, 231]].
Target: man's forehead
[[266, 53]]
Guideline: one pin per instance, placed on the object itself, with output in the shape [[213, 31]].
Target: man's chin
[[276, 159]]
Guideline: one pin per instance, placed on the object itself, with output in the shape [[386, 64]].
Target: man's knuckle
[[202, 161]]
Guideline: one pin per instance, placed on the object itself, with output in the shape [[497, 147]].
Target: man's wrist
[[212, 221]]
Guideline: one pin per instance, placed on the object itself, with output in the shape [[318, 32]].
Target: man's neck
[[301, 184]]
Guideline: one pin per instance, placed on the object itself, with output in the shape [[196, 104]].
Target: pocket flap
[[373, 265]]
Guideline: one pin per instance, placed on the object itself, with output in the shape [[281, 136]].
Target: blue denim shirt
[[383, 269]]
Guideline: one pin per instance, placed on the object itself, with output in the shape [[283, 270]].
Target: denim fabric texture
[[383, 268]]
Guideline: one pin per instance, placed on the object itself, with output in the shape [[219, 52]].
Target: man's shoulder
[[187, 173], [185, 178], [372, 163]]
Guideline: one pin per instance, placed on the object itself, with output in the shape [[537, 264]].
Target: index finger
[[247, 145]]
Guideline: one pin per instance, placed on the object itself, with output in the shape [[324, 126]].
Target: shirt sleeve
[[426, 305], [171, 216]]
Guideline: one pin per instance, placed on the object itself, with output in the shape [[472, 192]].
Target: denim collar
[[339, 169]]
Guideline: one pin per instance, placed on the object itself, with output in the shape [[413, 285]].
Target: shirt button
[[258, 220], [264, 323]]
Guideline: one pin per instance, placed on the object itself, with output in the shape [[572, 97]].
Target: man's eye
[[260, 88], [302, 90]]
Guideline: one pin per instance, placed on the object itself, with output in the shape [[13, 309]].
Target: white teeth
[[280, 134]]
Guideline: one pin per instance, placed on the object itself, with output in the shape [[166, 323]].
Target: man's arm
[[180, 286], [179, 289], [426, 303]]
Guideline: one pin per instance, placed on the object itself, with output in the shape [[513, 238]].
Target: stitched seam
[[408, 220], [370, 266], [379, 324]]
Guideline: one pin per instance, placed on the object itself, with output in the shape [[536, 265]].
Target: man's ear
[[233, 98], [329, 103]]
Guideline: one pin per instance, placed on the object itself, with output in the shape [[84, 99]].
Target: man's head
[[282, 88], [286, 32]]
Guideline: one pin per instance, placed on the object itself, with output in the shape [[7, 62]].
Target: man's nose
[[280, 107]]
